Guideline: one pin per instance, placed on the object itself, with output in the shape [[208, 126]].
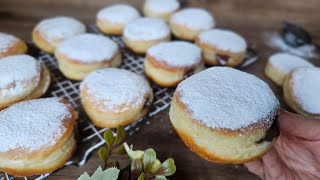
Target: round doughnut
[[11, 45], [50, 32], [113, 97], [80, 55], [22, 78], [301, 91], [162, 9], [112, 19], [37, 136], [166, 65], [225, 115], [222, 47], [280, 64], [188, 23], [142, 33]]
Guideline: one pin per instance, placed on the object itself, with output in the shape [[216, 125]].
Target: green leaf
[[119, 150], [103, 153], [155, 167], [121, 134], [109, 174], [133, 154], [109, 138], [160, 178], [149, 158], [141, 177], [167, 168]]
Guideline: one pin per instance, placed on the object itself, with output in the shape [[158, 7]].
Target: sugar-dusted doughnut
[[222, 47], [142, 33], [113, 97], [112, 19], [168, 63], [281, 64], [11, 45], [22, 78], [52, 31], [225, 115], [37, 136], [301, 90], [82, 54], [188, 23], [160, 8]]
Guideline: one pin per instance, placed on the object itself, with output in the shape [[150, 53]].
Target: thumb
[[299, 126]]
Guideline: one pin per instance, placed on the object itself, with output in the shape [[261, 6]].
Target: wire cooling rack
[[90, 137]]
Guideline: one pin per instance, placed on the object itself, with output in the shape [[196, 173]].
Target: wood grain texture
[[251, 18]]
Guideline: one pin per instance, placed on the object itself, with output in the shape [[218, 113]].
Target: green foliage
[[109, 174]]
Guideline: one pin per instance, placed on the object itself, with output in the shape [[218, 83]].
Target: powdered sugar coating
[[146, 28], [176, 53], [16, 71], [6, 41], [116, 87], [60, 28], [306, 88], [162, 6], [194, 18], [226, 98], [32, 125], [119, 13], [287, 62], [224, 40], [88, 48]]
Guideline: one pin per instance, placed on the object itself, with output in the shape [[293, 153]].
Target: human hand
[[295, 154]]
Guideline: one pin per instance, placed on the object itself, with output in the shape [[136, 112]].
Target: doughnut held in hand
[[301, 90], [11, 45], [168, 63], [113, 97], [225, 115], [82, 54], [22, 78], [37, 136], [51, 32]]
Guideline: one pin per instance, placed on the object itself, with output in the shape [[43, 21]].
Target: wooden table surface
[[251, 18]]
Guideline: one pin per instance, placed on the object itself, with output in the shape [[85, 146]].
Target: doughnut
[[186, 24], [51, 32], [301, 90], [80, 55], [37, 136], [112, 19], [11, 45], [168, 63], [280, 64], [222, 47], [225, 115], [142, 33], [22, 78], [162, 9], [113, 97]]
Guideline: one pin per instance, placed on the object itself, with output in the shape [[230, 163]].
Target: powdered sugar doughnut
[[51, 32], [225, 115], [112, 19], [37, 136], [222, 47], [82, 54], [301, 91], [22, 77], [188, 23], [11, 45], [113, 97], [160, 8], [142, 33], [280, 64], [168, 63]]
